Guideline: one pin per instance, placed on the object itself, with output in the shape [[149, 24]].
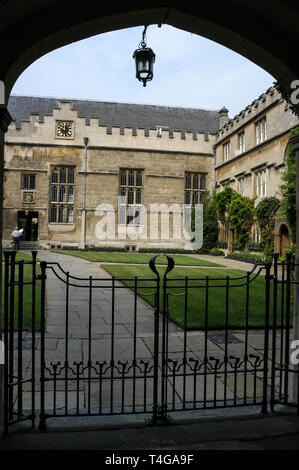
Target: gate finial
[[170, 264]]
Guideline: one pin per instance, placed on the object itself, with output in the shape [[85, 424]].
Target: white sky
[[190, 71]]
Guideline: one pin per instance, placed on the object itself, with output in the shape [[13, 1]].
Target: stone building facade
[[250, 154], [83, 173], [74, 169]]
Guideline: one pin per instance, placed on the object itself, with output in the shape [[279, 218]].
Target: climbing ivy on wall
[[238, 211], [288, 188], [265, 213], [222, 201], [241, 217], [210, 223]]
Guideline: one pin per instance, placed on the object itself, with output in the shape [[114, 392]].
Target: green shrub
[[265, 215], [290, 249], [222, 200], [236, 246], [216, 252], [105, 248], [210, 225], [221, 244], [66, 247], [236, 210], [253, 246], [249, 256], [241, 217], [165, 250], [288, 188]]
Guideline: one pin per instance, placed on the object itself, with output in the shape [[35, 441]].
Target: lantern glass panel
[[143, 65]]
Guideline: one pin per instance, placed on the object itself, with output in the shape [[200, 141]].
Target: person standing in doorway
[[16, 235]]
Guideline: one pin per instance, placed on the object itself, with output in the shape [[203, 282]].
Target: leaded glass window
[[62, 195], [195, 186], [131, 186]]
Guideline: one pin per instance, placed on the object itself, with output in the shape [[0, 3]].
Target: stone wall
[[243, 168], [268, 155], [35, 148]]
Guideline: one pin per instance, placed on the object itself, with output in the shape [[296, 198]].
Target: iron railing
[[159, 368], [16, 344], [284, 374]]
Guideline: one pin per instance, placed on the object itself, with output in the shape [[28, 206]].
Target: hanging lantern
[[144, 60]]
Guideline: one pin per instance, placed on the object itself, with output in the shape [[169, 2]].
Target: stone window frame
[[28, 189], [242, 185], [226, 148], [241, 141], [256, 234], [30, 175], [261, 130], [261, 182], [195, 187], [130, 196], [61, 209]]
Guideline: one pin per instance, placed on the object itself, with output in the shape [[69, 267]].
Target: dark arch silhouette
[[264, 32]]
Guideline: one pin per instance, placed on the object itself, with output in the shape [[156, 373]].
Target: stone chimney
[[223, 113]]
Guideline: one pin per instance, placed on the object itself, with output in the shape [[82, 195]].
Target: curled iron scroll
[[170, 265]]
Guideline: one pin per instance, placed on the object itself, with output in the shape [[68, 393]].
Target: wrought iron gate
[[158, 368]]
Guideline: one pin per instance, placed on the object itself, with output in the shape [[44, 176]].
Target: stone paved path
[[117, 316]]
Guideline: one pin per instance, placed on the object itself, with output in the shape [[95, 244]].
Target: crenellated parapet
[[252, 111], [171, 129]]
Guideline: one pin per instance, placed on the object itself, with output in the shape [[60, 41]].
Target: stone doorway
[[284, 238], [28, 221]]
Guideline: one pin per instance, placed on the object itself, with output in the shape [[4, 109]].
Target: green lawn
[[135, 258], [195, 318], [27, 294]]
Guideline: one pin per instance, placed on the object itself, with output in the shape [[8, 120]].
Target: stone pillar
[[294, 140], [83, 213], [5, 120]]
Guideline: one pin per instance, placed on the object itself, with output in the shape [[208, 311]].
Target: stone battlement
[[41, 129], [252, 111]]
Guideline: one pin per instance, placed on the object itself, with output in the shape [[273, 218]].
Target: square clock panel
[[65, 129]]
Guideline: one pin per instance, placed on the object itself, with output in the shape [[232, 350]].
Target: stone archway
[[253, 30]]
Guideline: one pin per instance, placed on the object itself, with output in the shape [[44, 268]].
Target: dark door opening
[[28, 221], [284, 239]]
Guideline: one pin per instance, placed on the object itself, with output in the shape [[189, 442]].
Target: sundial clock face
[[64, 129]]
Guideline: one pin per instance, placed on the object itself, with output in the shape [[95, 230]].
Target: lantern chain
[[143, 41]]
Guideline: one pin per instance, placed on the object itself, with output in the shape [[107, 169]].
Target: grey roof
[[120, 114]]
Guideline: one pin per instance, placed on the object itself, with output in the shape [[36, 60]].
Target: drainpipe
[[214, 171], [83, 214]]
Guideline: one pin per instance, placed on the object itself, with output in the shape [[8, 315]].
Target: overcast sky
[[190, 71]]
